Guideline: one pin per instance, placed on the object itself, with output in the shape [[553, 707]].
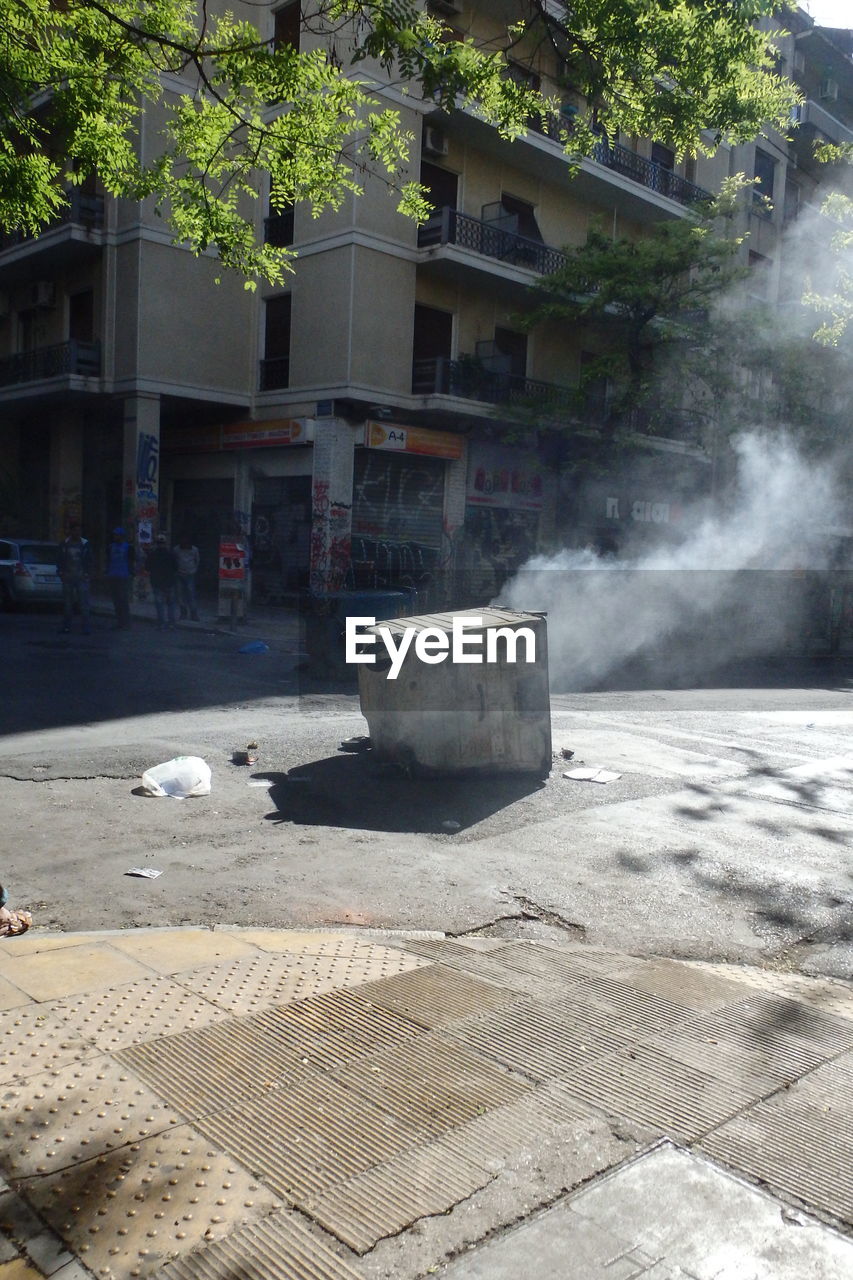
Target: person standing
[[186, 561], [74, 567], [121, 566], [164, 577]]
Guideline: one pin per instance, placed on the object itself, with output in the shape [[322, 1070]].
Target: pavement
[[259, 1104]]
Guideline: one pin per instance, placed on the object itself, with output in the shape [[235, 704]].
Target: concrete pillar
[[331, 504], [455, 487], [141, 469], [65, 501]]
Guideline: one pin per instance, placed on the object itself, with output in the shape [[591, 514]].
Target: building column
[[65, 501], [141, 469], [331, 504], [455, 490]]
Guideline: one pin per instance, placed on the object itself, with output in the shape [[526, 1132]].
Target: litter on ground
[[180, 778], [592, 775], [147, 873]]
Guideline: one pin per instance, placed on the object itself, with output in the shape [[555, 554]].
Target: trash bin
[[448, 716], [325, 621]]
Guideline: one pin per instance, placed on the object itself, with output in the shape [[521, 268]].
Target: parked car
[[28, 572]]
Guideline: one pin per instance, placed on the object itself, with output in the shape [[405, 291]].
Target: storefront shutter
[[398, 498]]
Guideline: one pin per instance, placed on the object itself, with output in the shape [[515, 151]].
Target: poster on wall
[[499, 476]]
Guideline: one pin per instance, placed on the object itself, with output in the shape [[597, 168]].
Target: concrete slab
[[667, 1214], [88, 968], [173, 951]]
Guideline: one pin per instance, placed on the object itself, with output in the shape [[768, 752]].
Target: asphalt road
[[727, 836]]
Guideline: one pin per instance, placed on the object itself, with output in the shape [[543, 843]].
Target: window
[[663, 156], [792, 202], [765, 175], [515, 215], [759, 280], [81, 316], [443, 186], [433, 339], [278, 226], [275, 366], [288, 26], [512, 347]]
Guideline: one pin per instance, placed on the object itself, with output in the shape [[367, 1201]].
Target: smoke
[[740, 583]]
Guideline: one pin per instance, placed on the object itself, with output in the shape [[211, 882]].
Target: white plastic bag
[[180, 778]]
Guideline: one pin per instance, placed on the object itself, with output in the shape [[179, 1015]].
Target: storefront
[[400, 491], [505, 498]]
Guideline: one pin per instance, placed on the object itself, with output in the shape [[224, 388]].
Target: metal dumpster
[[462, 717], [325, 619]]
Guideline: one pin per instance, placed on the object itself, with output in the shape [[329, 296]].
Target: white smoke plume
[[740, 583]]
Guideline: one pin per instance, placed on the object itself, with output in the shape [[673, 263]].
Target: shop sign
[[435, 444], [502, 477], [261, 435], [642, 511]]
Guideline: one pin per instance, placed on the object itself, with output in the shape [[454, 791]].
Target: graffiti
[[147, 465], [320, 499], [391, 501]]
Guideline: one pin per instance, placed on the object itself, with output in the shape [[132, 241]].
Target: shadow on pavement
[[359, 792]]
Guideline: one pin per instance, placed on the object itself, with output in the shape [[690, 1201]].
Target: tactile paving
[[33, 1039], [279, 1248], [800, 1141], [59, 1118], [646, 1085], [740, 1048], [305, 1137], [386, 1199], [566, 964], [256, 982], [684, 983], [435, 995], [772, 1018], [432, 1082], [331, 1029], [432, 1178], [205, 1070], [630, 1010], [135, 1011], [127, 1212], [540, 1041]]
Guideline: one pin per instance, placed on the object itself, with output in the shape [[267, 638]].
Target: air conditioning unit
[[829, 90], [41, 295], [435, 143]]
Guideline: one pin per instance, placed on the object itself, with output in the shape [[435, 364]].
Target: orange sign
[[436, 444], [259, 435]]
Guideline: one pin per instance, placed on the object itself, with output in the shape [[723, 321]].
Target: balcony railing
[[449, 226], [621, 160], [64, 359], [275, 373], [82, 210], [471, 380]]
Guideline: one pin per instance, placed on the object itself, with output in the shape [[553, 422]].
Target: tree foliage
[[77, 76], [835, 303], [634, 300]]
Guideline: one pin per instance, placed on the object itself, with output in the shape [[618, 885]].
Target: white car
[[28, 573]]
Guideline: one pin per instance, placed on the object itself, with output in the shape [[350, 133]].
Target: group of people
[[172, 573]]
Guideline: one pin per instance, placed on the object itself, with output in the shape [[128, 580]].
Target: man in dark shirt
[[164, 574], [74, 566]]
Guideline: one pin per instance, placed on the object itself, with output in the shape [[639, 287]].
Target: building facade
[[374, 421]]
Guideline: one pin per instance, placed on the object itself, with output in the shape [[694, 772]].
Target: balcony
[[275, 373], [81, 211], [450, 227], [649, 173], [469, 379], [814, 124], [65, 359]]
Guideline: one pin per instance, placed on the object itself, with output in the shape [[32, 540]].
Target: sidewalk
[[239, 1104], [264, 622]]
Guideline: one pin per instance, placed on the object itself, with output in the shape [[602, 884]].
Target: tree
[[644, 306], [835, 304], [76, 74]]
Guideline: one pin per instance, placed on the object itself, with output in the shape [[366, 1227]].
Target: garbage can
[[325, 621], [449, 716]]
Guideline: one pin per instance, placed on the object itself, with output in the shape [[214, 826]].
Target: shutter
[[398, 497]]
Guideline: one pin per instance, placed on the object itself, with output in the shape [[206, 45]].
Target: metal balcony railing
[[63, 359], [449, 226], [81, 211], [275, 373], [472, 380], [621, 160]]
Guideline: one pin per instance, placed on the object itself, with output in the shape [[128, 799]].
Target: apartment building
[[375, 420]]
